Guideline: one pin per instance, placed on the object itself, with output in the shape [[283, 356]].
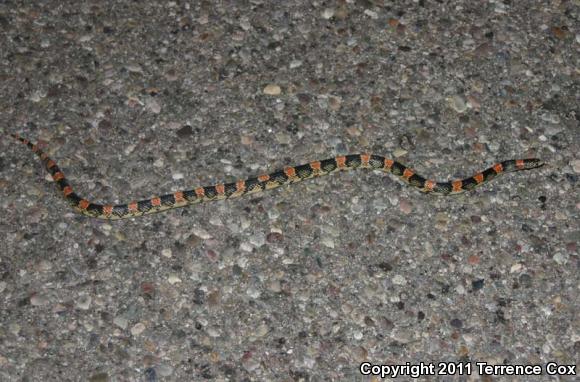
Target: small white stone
[[399, 280], [560, 258], [37, 96], [576, 166], [173, 279], [121, 322], [261, 331], [177, 176], [516, 268], [242, 262], [457, 103], [137, 329], [272, 89], [245, 24], [14, 328], [84, 302], [212, 332], [129, 149], [38, 300], [328, 13], [327, 242], [164, 370], [246, 247], [153, 106], [216, 221], [166, 252], [283, 138], [134, 68], [258, 240], [295, 64], [397, 153], [500, 8], [253, 292], [201, 233], [372, 14]]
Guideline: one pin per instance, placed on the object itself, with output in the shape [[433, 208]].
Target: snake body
[[286, 176]]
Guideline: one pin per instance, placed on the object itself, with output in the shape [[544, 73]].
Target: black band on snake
[[276, 179]]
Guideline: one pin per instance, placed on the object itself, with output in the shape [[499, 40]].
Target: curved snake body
[[288, 175]]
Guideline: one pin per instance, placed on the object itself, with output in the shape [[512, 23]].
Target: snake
[[287, 175]]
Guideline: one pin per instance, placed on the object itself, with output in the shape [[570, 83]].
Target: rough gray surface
[[137, 98]]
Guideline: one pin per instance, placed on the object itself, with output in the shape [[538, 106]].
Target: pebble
[[550, 117], [246, 247], [334, 103], [137, 329], [153, 106], [14, 328], [250, 363], [43, 266], [173, 279], [262, 330], [257, 240], [202, 233], [516, 268], [166, 252], [272, 89], [38, 300], [253, 292], [399, 280], [327, 241], [328, 13], [560, 258], [121, 322], [216, 221], [295, 64], [393, 22], [576, 166], [473, 102], [283, 138], [134, 68], [473, 259], [397, 153], [356, 207], [275, 286], [213, 332], [274, 237], [457, 103], [500, 8], [405, 206], [164, 370], [372, 14], [84, 302], [245, 24], [99, 377]]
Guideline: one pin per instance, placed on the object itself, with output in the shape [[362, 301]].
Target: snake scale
[[288, 175]]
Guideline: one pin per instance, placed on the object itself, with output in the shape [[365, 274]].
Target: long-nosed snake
[[273, 180]]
